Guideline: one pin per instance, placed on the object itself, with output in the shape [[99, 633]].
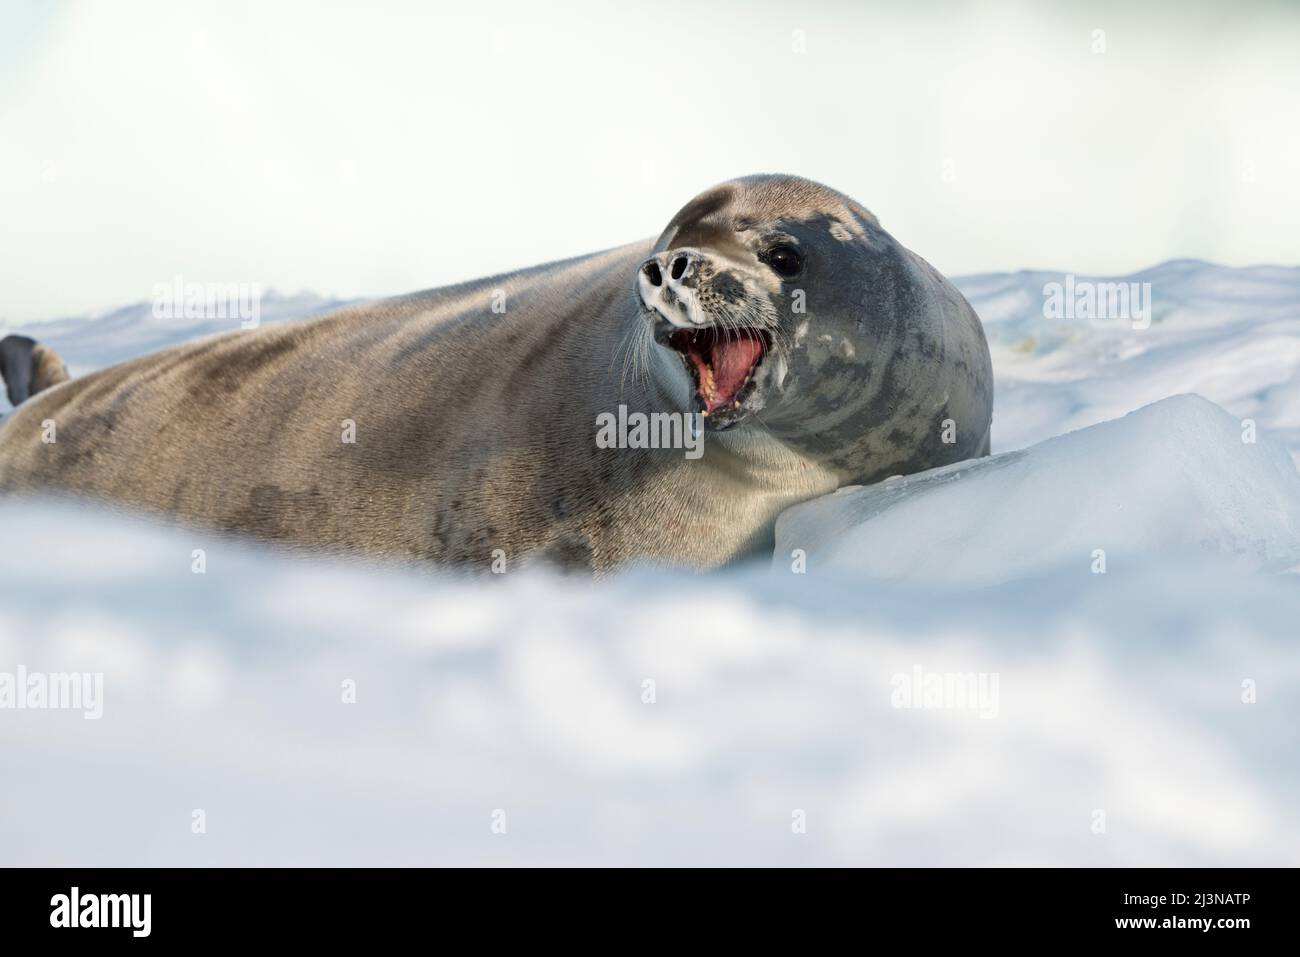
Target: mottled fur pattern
[[475, 429]]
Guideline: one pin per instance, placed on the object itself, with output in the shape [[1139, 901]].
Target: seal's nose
[[684, 267], [681, 266], [669, 283]]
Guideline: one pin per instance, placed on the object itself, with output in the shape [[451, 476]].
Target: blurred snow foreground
[[1080, 651]]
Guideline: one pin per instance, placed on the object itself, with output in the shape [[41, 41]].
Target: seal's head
[[785, 301], [724, 276]]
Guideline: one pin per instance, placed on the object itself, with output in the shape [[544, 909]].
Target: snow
[[1171, 477], [87, 343], [1147, 715], [1231, 335]]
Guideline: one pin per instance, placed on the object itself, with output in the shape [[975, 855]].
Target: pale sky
[[368, 149]]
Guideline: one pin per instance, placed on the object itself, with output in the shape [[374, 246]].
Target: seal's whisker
[[634, 349]]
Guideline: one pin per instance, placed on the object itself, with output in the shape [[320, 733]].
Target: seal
[[28, 367], [803, 344]]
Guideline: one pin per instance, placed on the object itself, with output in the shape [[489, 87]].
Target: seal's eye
[[784, 260]]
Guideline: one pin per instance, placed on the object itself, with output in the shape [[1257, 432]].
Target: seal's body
[[460, 425]]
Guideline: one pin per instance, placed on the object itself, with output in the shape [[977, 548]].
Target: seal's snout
[[700, 307], [669, 284], [682, 266]]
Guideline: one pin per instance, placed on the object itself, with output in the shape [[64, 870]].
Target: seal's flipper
[[16, 366], [28, 367]]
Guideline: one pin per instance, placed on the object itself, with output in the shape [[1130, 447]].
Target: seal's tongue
[[723, 362]]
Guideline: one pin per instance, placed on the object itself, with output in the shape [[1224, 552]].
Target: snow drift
[[1177, 475], [1140, 717]]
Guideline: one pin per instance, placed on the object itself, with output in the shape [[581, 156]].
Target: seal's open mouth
[[721, 362]]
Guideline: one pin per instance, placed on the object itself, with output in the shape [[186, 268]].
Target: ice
[[1175, 476]]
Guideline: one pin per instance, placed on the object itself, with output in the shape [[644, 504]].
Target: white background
[[378, 148]]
